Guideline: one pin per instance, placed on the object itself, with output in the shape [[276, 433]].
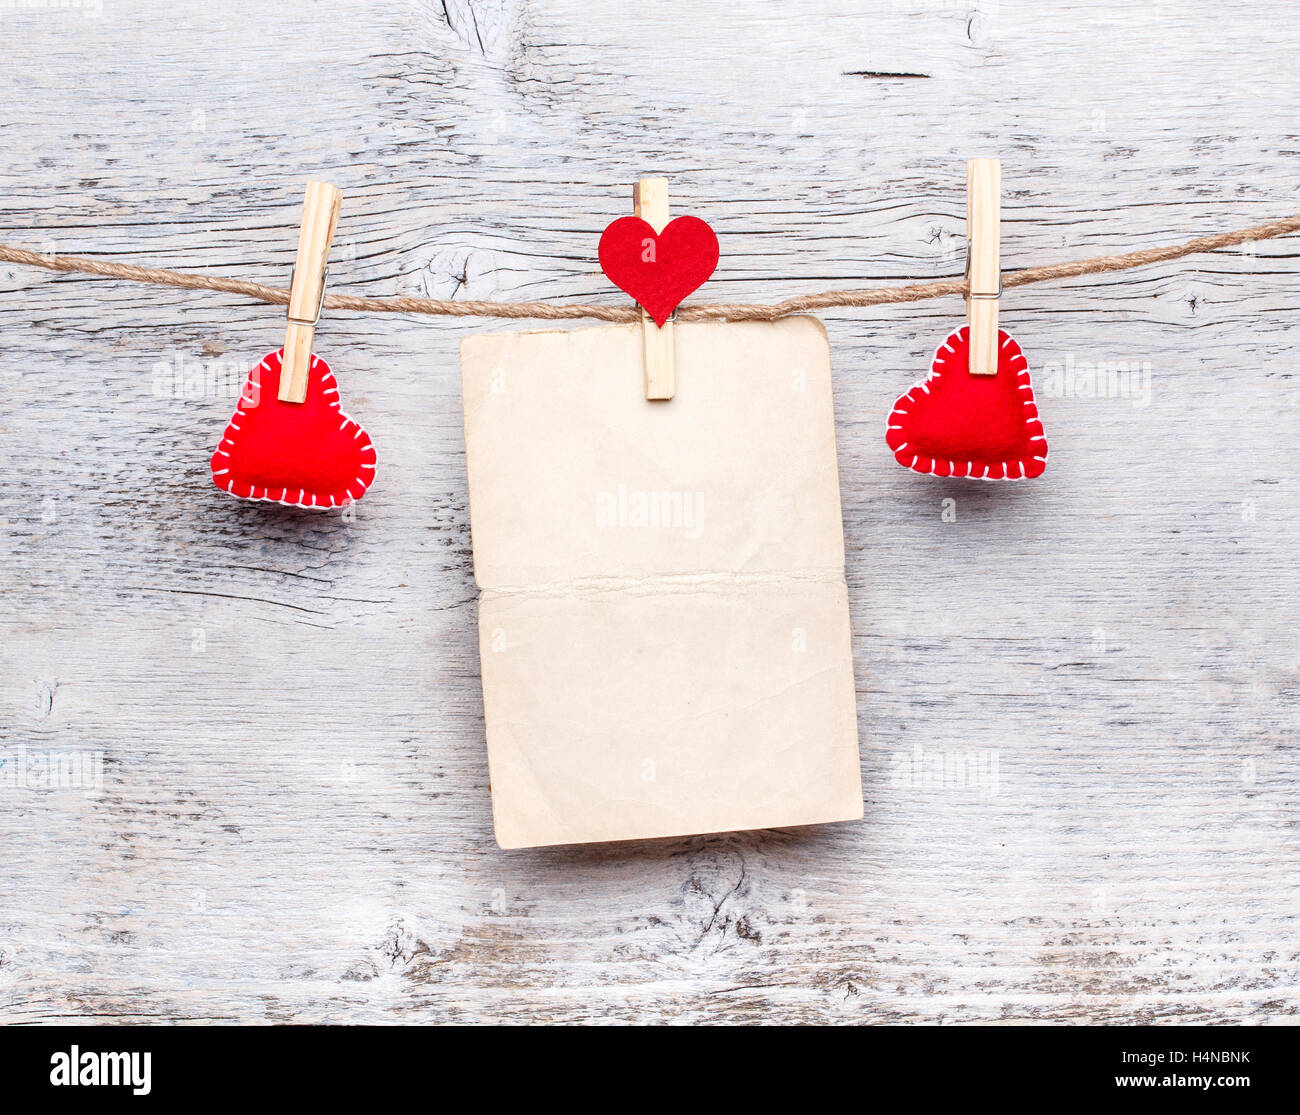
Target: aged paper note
[[663, 620]]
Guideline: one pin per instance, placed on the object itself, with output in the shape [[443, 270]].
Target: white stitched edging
[[1033, 424], [310, 500]]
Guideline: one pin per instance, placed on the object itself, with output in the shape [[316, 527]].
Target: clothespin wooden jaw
[[320, 216], [650, 203], [983, 262]]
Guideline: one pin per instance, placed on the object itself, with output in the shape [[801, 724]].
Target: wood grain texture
[[320, 217], [1077, 697], [983, 272], [650, 203]]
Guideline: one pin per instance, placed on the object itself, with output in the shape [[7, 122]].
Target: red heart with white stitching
[[980, 427], [308, 454], [658, 269]]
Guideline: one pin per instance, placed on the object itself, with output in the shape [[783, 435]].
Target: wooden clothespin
[[983, 263], [320, 216], [650, 203]]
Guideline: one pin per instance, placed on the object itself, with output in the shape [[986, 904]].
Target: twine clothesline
[[699, 311]]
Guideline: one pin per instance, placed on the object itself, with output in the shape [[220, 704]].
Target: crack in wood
[[883, 74]]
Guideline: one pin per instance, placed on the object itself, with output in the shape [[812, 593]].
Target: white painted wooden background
[[294, 822]]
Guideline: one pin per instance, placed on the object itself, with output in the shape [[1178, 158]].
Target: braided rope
[[699, 311]]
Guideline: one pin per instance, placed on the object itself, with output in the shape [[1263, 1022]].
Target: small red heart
[[658, 269], [979, 427], [308, 454]]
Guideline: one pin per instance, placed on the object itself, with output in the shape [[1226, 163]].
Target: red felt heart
[[308, 454], [658, 269], [980, 427]]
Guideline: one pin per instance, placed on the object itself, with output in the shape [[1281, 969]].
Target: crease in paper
[[669, 673]]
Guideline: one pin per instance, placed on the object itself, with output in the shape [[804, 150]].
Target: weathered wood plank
[[309, 838]]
